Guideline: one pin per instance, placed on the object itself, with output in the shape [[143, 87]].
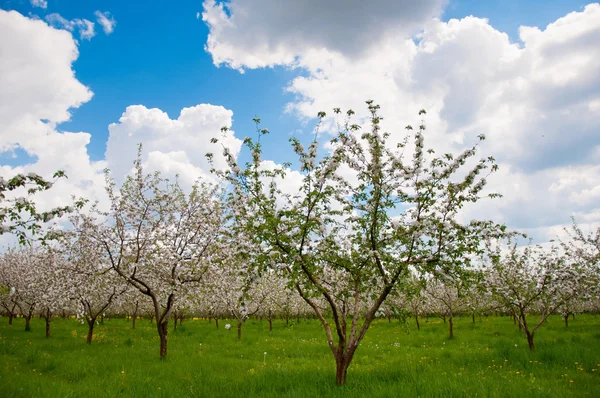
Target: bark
[[163, 329], [342, 362], [473, 317], [239, 327], [417, 322], [91, 322], [48, 318], [28, 322], [10, 318], [451, 327], [566, 318], [270, 324], [530, 340], [134, 315], [217, 322]]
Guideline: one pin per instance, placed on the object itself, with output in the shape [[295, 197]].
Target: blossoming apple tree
[[364, 216]]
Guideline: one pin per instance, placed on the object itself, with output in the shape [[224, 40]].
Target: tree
[[159, 239], [531, 279], [364, 216], [18, 212]]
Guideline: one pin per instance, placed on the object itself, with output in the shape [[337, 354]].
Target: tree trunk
[[530, 340], [287, 320], [101, 319], [163, 329], [514, 319], [239, 330], [10, 318], [473, 317], [217, 322], [444, 318], [417, 322], [342, 362], [28, 322], [48, 318], [270, 324], [90, 334], [451, 327], [175, 324], [134, 315], [566, 318], [572, 315]]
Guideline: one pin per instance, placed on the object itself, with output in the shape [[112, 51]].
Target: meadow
[[489, 358]]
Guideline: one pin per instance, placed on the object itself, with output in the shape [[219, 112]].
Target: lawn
[[487, 359]]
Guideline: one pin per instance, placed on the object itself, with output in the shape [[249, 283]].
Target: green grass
[[488, 358]]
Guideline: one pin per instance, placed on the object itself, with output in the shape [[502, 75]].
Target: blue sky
[[536, 96], [156, 57]]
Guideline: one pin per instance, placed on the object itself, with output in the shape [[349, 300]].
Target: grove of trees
[[372, 230]]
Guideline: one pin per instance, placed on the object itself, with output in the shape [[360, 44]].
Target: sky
[[83, 82]]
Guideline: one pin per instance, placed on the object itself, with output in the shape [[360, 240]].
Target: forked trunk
[[342, 362]]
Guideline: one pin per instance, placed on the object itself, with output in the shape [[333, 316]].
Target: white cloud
[[83, 26], [171, 145], [39, 3], [536, 101], [106, 20], [39, 90], [262, 33]]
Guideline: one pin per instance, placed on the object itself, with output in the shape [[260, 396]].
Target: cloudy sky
[[82, 82]]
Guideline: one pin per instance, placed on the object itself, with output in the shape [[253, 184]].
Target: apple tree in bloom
[[238, 286], [18, 212], [364, 216], [531, 280], [91, 283], [158, 238], [22, 278]]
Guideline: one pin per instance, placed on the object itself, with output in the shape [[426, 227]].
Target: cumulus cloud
[[106, 20], [260, 33], [537, 101], [35, 98], [175, 146], [39, 3], [83, 26]]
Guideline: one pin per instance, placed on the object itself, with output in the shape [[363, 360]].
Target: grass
[[487, 359]]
